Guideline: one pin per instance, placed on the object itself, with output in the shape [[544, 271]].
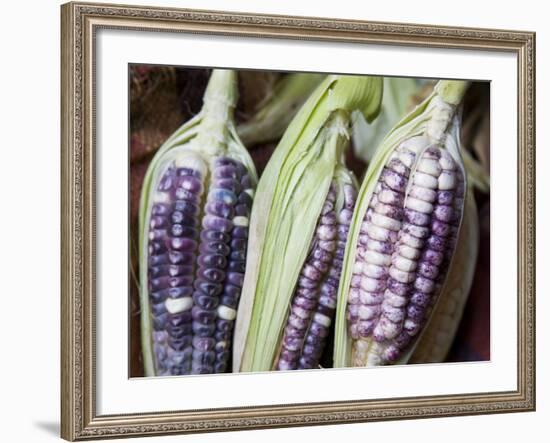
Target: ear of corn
[[403, 234], [277, 110], [303, 190], [437, 338], [193, 223]]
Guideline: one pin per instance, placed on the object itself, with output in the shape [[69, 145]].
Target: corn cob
[[403, 234], [436, 340], [314, 300], [194, 210], [298, 229]]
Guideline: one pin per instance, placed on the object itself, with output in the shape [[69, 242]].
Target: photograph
[[286, 221]]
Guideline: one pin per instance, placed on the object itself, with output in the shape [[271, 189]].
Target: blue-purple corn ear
[[194, 216], [404, 235]]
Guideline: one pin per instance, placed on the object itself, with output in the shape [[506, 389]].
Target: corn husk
[[436, 118], [209, 134], [288, 203]]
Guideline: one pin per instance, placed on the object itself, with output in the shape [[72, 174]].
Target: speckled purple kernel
[[424, 285], [415, 313], [420, 299], [417, 218], [436, 243], [428, 270]]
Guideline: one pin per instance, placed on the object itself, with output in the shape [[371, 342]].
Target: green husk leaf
[[277, 110], [286, 208], [397, 95], [434, 115], [209, 134]]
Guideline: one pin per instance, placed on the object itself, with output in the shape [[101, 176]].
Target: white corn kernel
[[226, 313], [177, 305], [386, 222], [425, 180], [419, 205]]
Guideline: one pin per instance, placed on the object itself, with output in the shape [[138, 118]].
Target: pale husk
[[286, 208]]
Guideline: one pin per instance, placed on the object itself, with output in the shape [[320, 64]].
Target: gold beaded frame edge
[[79, 21]]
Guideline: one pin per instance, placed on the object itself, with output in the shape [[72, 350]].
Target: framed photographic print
[[280, 221]]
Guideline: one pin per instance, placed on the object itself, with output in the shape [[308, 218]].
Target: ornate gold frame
[[79, 420]]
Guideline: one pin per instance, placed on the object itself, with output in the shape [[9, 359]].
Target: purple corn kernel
[[160, 209], [203, 330], [188, 171], [245, 199], [184, 194], [214, 247], [202, 315], [415, 313], [443, 213], [242, 210], [237, 266], [210, 235], [205, 301], [445, 197], [417, 218], [229, 184], [191, 184], [229, 301], [436, 243], [212, 261], [235, 278], [424, 285], [420, 299], [220, 209], [226, 171], [224, 325], [211, 274], [428, 270], [208, 288], [181, 258], [217, 223]]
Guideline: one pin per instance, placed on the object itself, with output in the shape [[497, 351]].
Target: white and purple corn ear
[[194, 218], [403, 235], [294, 254], [314, 300], [437, 338]]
